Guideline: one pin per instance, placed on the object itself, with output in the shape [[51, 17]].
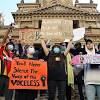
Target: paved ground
[[75, 96]]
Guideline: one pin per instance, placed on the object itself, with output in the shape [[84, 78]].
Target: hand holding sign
[[43, 38]]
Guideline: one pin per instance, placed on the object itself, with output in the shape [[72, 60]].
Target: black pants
[[80, 84], [9, 95], [68, 92], [53, 85], [42, 92], [5, 84], [25, 94]]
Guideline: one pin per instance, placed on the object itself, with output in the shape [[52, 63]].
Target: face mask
[[10, 47], [31, 50], [56, 50]]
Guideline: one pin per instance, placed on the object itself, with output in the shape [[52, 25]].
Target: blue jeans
[[91, 91]]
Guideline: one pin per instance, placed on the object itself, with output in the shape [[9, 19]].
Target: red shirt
[[6, 62], [1, 52]]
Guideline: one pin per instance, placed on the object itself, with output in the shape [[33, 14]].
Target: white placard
[[91, 59], [86, 59], [78, 34]]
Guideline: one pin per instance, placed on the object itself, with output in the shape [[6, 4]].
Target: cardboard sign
[[28, 36], [28, 74], [56, 30]]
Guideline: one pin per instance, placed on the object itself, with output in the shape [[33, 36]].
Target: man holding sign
[[92, 72]]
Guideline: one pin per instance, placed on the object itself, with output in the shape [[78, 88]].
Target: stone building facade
[[29, 16]]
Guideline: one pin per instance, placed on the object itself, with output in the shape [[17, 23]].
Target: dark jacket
[[56, 69]]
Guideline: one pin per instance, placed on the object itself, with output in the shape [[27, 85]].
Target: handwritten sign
[[29, 36], [56, 30], [28, 74]]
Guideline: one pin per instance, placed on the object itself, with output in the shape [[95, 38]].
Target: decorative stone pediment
[[58, 8]]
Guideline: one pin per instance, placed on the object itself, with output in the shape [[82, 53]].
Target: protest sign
[[28, 74], [56, 30], [86, 59], [91, 59], [78, 33], [28, 36]]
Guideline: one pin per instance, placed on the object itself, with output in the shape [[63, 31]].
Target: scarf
[[70, 71], [90, 52]]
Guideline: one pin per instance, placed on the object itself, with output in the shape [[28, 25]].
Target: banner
[[86, 59], [28, 74], [57, 30], [91, 59]]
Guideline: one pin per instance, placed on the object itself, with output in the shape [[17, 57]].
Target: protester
[[56, 70], [10, 55], [92, 71], [6, 56], [2, 45], [69, 71], [79, 71], [25, 94]]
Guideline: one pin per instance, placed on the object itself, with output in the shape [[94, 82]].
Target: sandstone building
[[29, 17]]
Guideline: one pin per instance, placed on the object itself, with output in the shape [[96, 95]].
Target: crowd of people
[[62, 74]]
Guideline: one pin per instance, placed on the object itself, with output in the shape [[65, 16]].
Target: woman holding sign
[[27, 94], [56, 70], [92, 72]]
